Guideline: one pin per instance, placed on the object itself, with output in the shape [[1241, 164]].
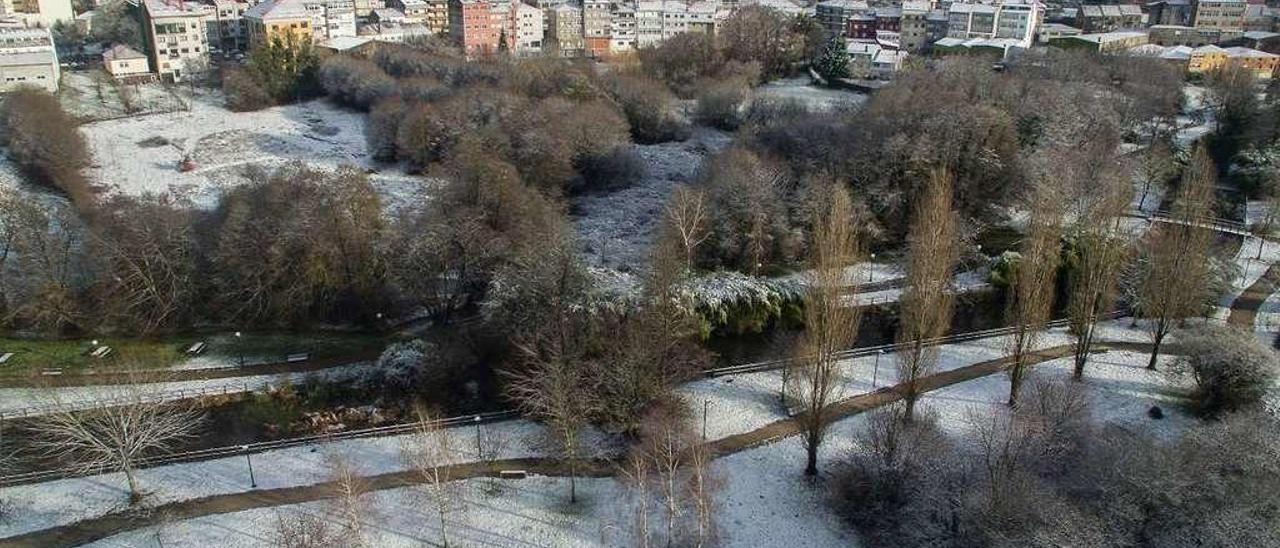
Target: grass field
[[72, 355]]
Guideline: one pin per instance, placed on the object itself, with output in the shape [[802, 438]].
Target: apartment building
[[472, 27], [565, 31], [27, 58], [597, 26], [648, 22], [1109, 17], [277, 19], [176, 34], [40, 13], [834, 14], [913, 26], [525, 35], [1220, 14], [434, 14], [622, 29], [125, 63], [1015, 20], [228, 30]]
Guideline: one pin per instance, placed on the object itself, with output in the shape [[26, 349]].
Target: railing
[[153, 397], [251, 448]]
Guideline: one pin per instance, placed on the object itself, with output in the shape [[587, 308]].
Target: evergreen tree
[[833, 60]]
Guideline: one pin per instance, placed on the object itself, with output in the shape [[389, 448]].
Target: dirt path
[[1244, 310], [172, 375], [92, 529]]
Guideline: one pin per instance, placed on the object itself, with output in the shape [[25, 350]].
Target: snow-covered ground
[[735, 404], [95, 95], [141, 154], [1198, 121], [816, 98], [34, 401], [763, 500], [616, 227], [1251, 265]]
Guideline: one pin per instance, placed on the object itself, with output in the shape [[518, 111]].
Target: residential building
[[913, 33], [176, 35], [1106, 42], [1258, 17], [1177, 35], [648, 22], [887, 63], [27, 58], [565, 36], [42, 13], [1220, 14], [1008, 20], [125, 63], [228, 30], [432, 13], [861, 57], [364, 8], [277, 19], [622, 29], [834, 14], [1170, 12], [1206, 59], [526, 35], [1261, 63], [471, 25], [1093, 19], [394, 32], [597, 22], [1049, 31]]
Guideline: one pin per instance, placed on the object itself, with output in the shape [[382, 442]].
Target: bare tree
[[688, 217], [830, 325], [303, 530], [1178, 270], [702, 486], [1155, 168], [347, 498], [147, 251], [1097, 257], [636, 473], [429, 452], [1031, 289], [927, 302], [118, 436]]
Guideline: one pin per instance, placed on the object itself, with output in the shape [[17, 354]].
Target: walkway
[[92, 529], [1244, 310]]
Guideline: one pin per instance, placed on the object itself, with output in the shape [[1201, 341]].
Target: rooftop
[[278, 9], [173, 8], [122, 52]]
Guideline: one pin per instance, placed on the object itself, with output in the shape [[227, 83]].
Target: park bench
[[5, 356], [101, 352], [295, 358], [196, 349], [512, 474], [51, 371]]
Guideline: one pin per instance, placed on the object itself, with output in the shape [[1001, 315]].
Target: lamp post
[[705, 404], [239, 349], [253, 482], [871, 267], [875, 371], [479, 447]]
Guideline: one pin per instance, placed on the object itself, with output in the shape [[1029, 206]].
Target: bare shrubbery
[[650, 108], [1233, 371], [751, 206], [672, 485], [1044, 474], [45, 142], [355, 81]]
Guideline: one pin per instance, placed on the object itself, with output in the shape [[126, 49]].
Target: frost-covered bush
[[382, 127], [618, 168], [405, 364], [1231, 368], [650, 109], [739, 303], [722, 104]]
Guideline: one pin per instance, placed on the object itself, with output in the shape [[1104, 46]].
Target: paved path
[[174, 375], [1244, 310], [92, 529]]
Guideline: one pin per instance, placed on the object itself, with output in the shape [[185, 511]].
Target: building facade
[[27, 58], [176, 34]]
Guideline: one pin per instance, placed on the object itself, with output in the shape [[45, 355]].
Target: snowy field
[[617, 227], [141, 154], [763, 500], [95, 95], [817, 98], [736, 404]]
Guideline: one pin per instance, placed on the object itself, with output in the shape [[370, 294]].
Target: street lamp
[[705, 403], [239, 349], [253, 482], [875, 371], [479, 447], [871, 267]]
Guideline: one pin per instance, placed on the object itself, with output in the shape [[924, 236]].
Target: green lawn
[[72, 355]]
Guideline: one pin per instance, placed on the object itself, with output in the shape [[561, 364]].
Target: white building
[[622, 29], [39, 13], [1015, 20], [526, 29], [27, 58], [176, 34], [332, 18], [123, 62]]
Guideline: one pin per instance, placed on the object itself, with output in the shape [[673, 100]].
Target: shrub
[[404, 365], [45, 142], [618, 168], [1231, 368], [650, 108], [243, 93], [355, 82], [721, 103], [382, 128]]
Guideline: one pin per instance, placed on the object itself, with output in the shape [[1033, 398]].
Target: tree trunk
[[573, 481], [909, 414], [444, 537], [1083, 345], [811, 469], [1015, 379], [1155, 350], [134, 494]]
